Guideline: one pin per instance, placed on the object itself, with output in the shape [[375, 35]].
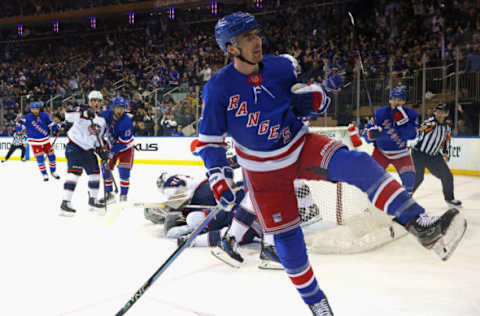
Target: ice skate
[[454, 203], [181, 240], [109, 198], [45, 177], [123, 198], [3, 160], [153, 216], [66, 209], [227, 251], [269, 259], [321, 308], [95, 205], [442, 234], [55, 175]]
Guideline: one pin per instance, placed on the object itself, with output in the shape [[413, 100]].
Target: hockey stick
[[352, 21], [168, 262]]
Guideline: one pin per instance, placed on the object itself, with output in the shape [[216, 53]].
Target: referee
[[431, 151], [18, 142]]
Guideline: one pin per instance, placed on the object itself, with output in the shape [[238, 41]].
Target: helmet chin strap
[[243, 58]]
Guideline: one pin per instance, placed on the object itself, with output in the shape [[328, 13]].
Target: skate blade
[[66, 214], [270, 265], [452, 237], [225, 258]]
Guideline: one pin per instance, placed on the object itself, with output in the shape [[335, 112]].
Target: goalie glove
[[400, 116], [309, 100], [221, 183]]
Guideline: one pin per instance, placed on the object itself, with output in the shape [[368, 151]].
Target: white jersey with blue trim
[[82, 133], [255, 111]]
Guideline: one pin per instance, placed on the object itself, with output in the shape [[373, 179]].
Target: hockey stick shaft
[[163, 205], [168, 262]]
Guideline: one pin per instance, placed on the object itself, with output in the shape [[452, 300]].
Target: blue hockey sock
[[292, 252], [408, 180], [360, 170], [242, 220], [52, 162], [107, 177], [124, 180], [41, 164]]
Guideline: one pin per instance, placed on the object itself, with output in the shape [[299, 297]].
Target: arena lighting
[[93, 22], [214, 8], [131, 18]]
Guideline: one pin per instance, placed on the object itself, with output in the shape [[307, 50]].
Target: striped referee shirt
[[433, 137], [18, 139]]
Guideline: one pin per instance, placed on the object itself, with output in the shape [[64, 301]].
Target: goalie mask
[[173, 185]]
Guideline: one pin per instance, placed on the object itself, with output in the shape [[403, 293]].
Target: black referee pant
[[438, 167], [12, 150]]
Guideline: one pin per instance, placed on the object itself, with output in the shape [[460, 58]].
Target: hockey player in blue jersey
[[85, 138], [258, 100], [389, 130], [120, 139], [38, 126]]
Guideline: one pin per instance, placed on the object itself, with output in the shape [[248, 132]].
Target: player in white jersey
[[85, 137]]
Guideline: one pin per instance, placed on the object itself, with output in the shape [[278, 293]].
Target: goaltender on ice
[[259, 102]]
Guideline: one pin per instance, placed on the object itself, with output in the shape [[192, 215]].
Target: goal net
[[338, 217]]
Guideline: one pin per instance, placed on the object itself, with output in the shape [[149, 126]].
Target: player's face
[[118, 111], [95, 103], [250, 43], [396, 102], [36, 111]]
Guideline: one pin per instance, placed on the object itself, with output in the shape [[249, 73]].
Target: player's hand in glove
[[373, 132], [54, 128], [87, 113], [105, 155], [400, 116], [221, 183], [309, 100]]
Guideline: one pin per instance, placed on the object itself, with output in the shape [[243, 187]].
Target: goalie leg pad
[[173, 219]]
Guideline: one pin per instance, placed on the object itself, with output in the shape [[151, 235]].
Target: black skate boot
[[55, 175], [66, 209], [181, 240], [123, 198], [440, 233], [45, 177], [321, 308], [227, 251], [94, 204], [109, 198], [269, 259], [454, 203]]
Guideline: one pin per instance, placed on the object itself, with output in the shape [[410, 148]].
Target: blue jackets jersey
[[255, 111], [120, 133], [393, 139], [38, 128]]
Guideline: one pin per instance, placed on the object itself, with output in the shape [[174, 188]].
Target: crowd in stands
[[393, 36]]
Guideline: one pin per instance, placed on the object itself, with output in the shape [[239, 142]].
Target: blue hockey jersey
[[37, 127], [393, 138], [120, 132], [256, 112]]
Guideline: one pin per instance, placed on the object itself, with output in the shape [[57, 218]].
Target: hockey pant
[[45, 149], [404, 166], [77, 161]]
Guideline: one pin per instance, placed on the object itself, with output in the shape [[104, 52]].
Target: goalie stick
[[168, 262]]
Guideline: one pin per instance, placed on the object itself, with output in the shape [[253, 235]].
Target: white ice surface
[[52, 265]]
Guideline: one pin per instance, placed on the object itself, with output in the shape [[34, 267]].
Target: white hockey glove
[[309, 100], [221, 183]]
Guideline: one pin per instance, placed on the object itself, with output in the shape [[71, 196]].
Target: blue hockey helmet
[[398, 93], [232, 25], [36, 105], [119, 102]]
